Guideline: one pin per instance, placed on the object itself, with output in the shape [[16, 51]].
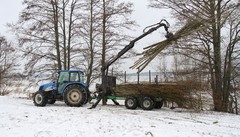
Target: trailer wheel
[[158, 105], [75, 95], [40, 99], [131, 102], [147, 103]]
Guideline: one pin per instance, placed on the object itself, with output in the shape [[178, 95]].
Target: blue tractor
[[69, 87]]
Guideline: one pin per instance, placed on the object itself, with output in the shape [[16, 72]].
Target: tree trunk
[[64, 36], [55, 22], [90, 67], [216, 34], [104, 101], [70, 35]]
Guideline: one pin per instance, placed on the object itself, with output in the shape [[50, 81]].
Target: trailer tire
[[75, 95], [40, 99], [147, 103], [131, 102]]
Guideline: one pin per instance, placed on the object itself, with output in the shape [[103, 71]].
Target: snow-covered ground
[[20, 118]]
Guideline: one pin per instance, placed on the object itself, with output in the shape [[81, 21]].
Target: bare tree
[[232, 63], [162, 67], [115, 20], [88, 30], [47, 34], [7, 62], [65, 34], [102, 30], [209, 42]]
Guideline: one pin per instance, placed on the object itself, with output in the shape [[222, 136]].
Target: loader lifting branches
[[108, 87], [71, 88]]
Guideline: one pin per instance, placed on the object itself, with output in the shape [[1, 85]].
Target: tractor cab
[[67, 77]]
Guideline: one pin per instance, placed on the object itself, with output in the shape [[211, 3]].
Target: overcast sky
[[9, 11], [144, 16]]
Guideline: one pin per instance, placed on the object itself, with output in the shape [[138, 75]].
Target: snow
[[19, 117]]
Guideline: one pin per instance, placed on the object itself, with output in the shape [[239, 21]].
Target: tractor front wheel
[[75, 95], [40, 99]]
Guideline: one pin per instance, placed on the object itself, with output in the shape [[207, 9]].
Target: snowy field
[[20, 118]]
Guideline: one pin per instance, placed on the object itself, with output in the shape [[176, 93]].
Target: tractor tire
[[75, 95], [158, 105], [51, 101], [131, 102], [147, 103], [40, 99], [88, 97]]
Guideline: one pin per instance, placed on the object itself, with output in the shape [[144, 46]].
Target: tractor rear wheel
[[158, 105], [75, 95], [51, 101], [131, 102], [147, 103], [40, 99]]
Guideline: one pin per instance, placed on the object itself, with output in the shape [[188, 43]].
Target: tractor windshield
[[63, 77]]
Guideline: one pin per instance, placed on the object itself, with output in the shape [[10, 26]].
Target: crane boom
[[131, 43]]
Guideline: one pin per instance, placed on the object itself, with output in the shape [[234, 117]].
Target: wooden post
[[138, 73], [149, 76], [156, 79], [112, 71], [125, 77]]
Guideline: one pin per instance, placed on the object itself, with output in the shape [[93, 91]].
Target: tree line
[[71, 34]]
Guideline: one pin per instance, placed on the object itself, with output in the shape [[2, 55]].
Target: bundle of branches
[[152, 51], [171, 92]]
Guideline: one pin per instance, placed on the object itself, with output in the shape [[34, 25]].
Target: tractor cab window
[[74, 77], [63, 77], [81, 76], [70, 77]]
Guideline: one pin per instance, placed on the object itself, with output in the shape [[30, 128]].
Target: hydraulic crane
[[104, 69]]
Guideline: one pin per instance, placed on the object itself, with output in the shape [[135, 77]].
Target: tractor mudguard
[[84, 85]]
